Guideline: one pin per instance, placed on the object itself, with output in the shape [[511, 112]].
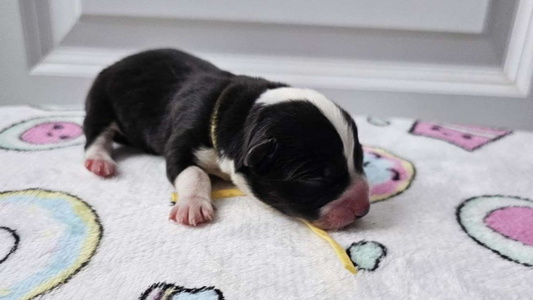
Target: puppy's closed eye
[[314, 182], [310, 186]]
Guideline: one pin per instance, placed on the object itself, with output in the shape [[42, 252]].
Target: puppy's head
[[304, 159]]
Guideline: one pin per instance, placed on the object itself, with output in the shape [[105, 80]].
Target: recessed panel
[[436, 15]]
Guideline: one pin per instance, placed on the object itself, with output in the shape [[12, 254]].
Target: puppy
[[290, 148]]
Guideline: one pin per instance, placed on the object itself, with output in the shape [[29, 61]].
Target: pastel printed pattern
[[10, 241], [58, 235], [73, 108], [468, 137], [366, 255], [43, 133], [515, 223], [52, 133], [378, 121], [503, 224], [167, 291], [388, 175]]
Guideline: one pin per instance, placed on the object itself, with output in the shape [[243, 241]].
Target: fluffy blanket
[[452, 217]]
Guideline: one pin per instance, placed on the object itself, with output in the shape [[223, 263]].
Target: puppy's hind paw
[[101, 167], [192, 211]]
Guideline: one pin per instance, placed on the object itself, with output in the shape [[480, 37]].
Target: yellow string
[[226, 193], [339, 250]]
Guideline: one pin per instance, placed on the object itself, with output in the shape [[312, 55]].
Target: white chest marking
[[207, 159], [228, 166]]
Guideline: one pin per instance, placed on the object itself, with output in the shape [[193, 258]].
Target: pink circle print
[[513, 222], [52, 133], [503, 224]]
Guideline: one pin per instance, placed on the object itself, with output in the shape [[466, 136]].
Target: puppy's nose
[[363, 211], [358, 197]]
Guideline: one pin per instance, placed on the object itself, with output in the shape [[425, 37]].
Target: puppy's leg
[[99, 127], [191, 182], [98, 154], [194, 191]]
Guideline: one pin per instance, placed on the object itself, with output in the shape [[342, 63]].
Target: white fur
[[193, 182], [207, 159], [327, 107], [102, 146], [228, 166]]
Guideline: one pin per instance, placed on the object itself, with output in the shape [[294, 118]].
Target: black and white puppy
[[290, 148]]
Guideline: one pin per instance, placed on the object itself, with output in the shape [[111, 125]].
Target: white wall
[[442, 70]]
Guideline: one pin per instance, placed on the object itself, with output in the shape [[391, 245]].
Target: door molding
[[48, 57]]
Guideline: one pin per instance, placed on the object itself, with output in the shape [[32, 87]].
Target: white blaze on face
[[327, 107]]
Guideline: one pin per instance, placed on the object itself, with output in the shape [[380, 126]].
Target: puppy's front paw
[[192, 211]]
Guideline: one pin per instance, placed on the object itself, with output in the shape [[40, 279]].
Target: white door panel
[[463, 61], [434, 15]]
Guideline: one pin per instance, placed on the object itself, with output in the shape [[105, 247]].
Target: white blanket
[[461, 228]]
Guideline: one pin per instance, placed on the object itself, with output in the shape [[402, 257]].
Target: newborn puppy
[[290, 148]]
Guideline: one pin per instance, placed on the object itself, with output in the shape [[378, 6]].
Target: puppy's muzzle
[[354, 203]]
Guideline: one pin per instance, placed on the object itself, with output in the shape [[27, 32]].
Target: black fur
[[309, 169], [163, 100]]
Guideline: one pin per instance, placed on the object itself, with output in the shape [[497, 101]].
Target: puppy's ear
[[261, 156]]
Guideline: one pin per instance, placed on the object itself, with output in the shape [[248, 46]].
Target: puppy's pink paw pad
[[101, 167], [192, 212]]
